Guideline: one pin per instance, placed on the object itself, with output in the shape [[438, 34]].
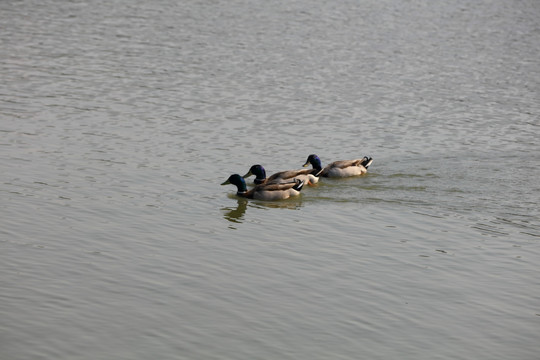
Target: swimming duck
[[305, 175], [274, 191], [341, 168]]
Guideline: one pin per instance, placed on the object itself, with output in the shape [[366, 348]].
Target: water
[[120, 120]]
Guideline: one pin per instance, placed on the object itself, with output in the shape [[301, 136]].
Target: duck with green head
[[305, 175], [340, 168], [267, 191]]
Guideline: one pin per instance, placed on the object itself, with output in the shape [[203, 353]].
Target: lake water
[[119, 120]]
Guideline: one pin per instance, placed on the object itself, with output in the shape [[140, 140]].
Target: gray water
[[119, 120]]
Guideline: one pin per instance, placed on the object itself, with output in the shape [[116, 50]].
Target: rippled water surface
[[119, 120]]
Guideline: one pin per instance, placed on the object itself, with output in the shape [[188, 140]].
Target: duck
[[340, 168], [305, 175], [267, 191]]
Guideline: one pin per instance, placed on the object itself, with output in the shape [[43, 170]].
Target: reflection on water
[[236, 214], [291, 204]]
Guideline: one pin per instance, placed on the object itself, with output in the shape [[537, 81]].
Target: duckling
[[341, 168], [274, 191], [283, 176]]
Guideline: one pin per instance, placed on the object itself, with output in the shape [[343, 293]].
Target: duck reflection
[[237, 214]]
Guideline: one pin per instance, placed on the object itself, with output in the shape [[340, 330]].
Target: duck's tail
[[366, 161], [299, 185]]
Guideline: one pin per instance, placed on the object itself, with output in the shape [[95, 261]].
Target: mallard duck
[[341, 168], [274, 191], [305, 175]]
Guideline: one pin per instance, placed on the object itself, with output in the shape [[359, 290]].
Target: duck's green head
[[258, 171], [237, 180], [314, 161]]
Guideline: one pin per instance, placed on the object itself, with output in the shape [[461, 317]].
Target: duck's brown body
[[270, 191], [340, 168]]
